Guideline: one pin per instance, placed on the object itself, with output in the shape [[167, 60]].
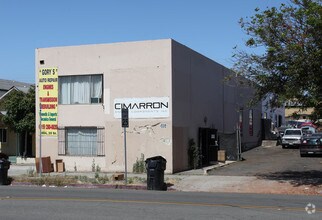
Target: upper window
[[84, 89]]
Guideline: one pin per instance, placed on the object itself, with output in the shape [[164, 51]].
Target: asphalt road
[[70, 203], [273, 162]]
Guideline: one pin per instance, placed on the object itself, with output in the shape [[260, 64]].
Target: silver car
[[292, 137]]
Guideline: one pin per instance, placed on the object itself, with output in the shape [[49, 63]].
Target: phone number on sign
[[49, 127]]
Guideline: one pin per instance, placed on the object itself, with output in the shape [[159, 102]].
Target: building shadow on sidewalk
[[296, 178]]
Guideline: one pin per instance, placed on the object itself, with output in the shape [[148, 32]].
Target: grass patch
[[136, 180], [47, 180], [33, 177], [64, 180], [172, 181]]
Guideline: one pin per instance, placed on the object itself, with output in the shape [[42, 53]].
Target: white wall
[[160, 68], [130, 70], [273, 113]]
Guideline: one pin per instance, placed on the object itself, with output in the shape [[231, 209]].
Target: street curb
[[100, 186], [90, 186], [211, 168]]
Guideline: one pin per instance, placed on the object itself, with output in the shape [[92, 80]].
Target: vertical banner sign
[[48, 99], [251, 131], [241, 122]]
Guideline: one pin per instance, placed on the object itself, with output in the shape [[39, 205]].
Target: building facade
[[170, 90], [295, 111], [17, 146], [276, 115]]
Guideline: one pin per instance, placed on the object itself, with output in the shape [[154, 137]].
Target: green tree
[[20, 115], [284, 56]]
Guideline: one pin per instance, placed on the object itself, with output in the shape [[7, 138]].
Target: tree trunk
[[25, 150]]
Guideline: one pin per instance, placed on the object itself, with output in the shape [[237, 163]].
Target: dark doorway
[[266, 129], [280, 121], [208, 145], [25, 150]]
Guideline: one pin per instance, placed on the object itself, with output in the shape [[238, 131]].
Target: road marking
[[279, 208]]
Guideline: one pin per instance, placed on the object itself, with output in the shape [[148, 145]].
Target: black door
[[208, 145], [213, 147]]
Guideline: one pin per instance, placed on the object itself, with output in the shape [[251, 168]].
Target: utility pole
[[238, 141], [125, 124]]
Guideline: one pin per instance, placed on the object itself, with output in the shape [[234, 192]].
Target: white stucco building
[[171, 92], [276, 115]]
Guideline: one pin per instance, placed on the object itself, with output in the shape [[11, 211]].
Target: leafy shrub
[[139, 165], [193, 154]]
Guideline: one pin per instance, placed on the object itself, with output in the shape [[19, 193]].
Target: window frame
[[63, 141], [92, 100]]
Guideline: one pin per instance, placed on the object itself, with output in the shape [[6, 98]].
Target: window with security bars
[[81, 141]]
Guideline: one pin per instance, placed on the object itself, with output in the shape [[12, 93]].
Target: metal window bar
[[61, 141], [77, 147], [100, 141]]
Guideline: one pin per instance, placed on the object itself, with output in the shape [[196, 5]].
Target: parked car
[[294, 124], [292, 137], [311, 145], [280, 133], [308, 130], [309, 124]]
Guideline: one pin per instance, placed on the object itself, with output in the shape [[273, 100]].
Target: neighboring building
[[173, 94], [276, 115], [7, 85], [11, 143], [293, 111]]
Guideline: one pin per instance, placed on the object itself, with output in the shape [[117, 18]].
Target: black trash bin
[[4, 167], [155, 167]]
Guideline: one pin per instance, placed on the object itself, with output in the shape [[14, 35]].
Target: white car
[[292, 137], [308, 130]]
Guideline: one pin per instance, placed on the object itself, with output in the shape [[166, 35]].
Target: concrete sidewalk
[[198, 181], [20, 169]]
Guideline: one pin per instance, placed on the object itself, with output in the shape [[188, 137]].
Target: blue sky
[[208, 26]]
